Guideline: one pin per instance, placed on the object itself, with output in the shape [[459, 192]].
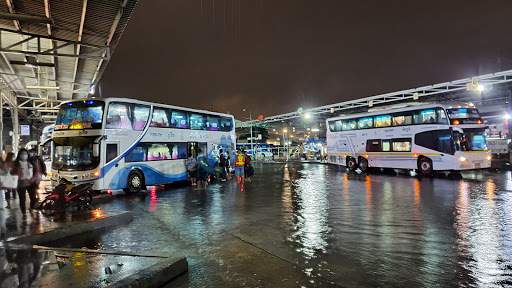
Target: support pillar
[[15, 129]]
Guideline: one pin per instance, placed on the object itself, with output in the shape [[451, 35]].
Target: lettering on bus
[[155, 135], [197, 135], [61, 127], [171, 135]]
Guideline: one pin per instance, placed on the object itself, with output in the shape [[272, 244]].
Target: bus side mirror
[[95, 150]]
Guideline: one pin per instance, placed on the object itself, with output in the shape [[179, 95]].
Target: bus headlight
[[96, 173], [488, 157], [463, 159]]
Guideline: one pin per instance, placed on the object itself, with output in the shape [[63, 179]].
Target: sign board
[[25, 130]]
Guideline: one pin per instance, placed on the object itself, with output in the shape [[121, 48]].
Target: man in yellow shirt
[[239, 166]]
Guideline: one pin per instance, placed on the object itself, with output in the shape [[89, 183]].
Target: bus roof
[[129, 100], [387, 111]]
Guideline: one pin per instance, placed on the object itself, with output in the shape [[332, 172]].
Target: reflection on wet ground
[[314, 225]]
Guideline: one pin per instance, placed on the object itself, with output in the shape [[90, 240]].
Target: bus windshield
[[86, 114], [463, 113], [74, 154], [476, 139]]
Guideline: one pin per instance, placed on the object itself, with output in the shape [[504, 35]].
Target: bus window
[[337, 125], [349, 124], [138, 154], [402, 145], [158, 152], [212, 123], [332, 126], [118, 116], [179, 119], [426, 139], [400, 120], [386, 145], [197, 121], [160, 118], [226, 124], [476, 138], [460, 141], [373, 146], [444, 141], [365, 123], [111, 152], [425, 117], [140, 116], [179, 151], [441, 116], [383, 121]]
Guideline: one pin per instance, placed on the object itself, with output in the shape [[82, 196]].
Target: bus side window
[[386, 145], [179, 119], [111, 152], [140, 117], [441, 116], [160, 118], [373, 145], [212, 123], [197, 121], [119, 117], [226, 124]]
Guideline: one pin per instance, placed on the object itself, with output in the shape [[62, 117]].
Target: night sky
[[287, 54]]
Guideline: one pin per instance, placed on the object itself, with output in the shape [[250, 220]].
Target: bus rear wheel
[[135, 182], [363, 164], [351, 164], [425, 166]]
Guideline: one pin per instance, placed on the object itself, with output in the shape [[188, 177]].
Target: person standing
[[222, 164], [239, 166], [228, 165], [26, 177], [248, 169], [9, 165], [191, 165], [202, 173], [40, 169]]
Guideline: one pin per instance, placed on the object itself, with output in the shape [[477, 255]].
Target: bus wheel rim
[[425, 166], [135, 181]]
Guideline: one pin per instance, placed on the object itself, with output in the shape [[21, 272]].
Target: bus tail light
[[109, 191], [478, 121], [456, 122], [463, 159], [488, 157]]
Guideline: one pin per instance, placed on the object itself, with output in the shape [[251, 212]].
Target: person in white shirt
[[26, 178]]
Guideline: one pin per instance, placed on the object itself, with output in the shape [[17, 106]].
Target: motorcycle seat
[[80, 188]]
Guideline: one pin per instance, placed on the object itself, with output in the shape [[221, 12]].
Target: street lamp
[[284, 143], [252, 147]]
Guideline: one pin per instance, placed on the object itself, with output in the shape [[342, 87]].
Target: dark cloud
[[294, 53]]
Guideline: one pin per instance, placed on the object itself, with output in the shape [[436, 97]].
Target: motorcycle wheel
[[48, 206], [84, 201]]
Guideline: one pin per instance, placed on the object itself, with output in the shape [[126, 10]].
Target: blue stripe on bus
[[151, 176], [112, 163]]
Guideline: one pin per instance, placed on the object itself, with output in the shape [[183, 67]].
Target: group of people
[[30, 168], [200, 172]]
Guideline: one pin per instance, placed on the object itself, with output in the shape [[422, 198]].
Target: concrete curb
[[102, 198], [155, 275], [115, 220]]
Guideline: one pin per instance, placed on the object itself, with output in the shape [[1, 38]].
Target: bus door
[[192, 149]]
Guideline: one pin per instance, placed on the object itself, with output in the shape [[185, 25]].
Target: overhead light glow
[[307, 116], [315, 129], [480, 88], [507, 117]]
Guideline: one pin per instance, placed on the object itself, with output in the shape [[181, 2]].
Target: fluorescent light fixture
[[43, 87], [315, 129], [48, 111]]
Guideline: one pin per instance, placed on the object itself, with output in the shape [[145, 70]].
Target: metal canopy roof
[[497, 89], [54, 50]]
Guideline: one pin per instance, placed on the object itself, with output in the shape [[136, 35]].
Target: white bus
[[416, 137], [45, 148], [119, 143]]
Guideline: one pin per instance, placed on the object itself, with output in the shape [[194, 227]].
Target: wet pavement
[[312, 225], [23, 266]]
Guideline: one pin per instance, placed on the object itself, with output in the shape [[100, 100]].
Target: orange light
[[415, 155], [366, 156], [479, 121], [344, 156], [456, 122], [97, 173]]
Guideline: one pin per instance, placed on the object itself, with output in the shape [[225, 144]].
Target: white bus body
[[417, 137], [45, 149], [119, 143]]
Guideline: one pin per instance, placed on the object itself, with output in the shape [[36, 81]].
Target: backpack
[[222, 160], [191, 164], [202, 162]]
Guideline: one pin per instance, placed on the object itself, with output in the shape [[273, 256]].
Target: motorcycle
[[68, 195]]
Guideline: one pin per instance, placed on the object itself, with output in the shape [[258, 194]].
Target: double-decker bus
[[427, 137], [119, 143]]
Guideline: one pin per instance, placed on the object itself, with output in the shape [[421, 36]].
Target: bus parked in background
[[119, 143], [416, 137], [263, 150], [45, 148]]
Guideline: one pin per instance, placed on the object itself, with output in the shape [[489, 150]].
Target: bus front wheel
[[135, 182], [351, 164], [425, 166]]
